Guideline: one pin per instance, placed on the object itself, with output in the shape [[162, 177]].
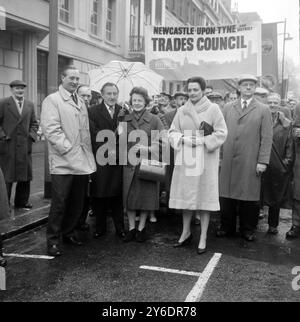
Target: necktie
[[111, 111], [74, 98], [20, 106], [245, 105]]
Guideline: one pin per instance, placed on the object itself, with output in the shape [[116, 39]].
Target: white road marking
[[29, 256], [172, 271], [2, 279], [37, 194], [197, 291], [13, 217]]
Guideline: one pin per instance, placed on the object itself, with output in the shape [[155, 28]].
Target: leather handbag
[[207, 128], [152, 170]]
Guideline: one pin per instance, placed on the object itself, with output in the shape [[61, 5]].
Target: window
[[65, 11], [110, 18], [158, 12], [148, 12], [96, 17], [134, 18]]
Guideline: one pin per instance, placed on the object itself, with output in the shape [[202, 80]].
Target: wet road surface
[[109, 270]]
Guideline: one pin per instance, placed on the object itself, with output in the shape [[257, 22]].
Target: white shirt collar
[[248, 101], [108, 107]]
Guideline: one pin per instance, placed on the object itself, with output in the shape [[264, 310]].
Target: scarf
[[139, 114], [192, 110]]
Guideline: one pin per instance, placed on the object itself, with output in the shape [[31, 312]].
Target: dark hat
[[16, 83], [180, 94], [215, 95], [247, 78], [166, 94]]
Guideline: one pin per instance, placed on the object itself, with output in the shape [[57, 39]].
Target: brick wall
[[11, 60]]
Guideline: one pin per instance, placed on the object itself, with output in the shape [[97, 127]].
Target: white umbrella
[[126, 75]]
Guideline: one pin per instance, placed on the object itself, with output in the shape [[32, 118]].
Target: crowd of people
[[246, 143]]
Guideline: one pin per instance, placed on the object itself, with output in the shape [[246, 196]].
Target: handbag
[[152, 170], [207, 128]]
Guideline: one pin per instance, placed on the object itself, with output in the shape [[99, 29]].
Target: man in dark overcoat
[[106, 185], [245, 156], [294, 232], [18, 130]]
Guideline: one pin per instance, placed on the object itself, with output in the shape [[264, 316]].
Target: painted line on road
[[29, 256], [172, 271], [197, 291], [26, 213], [37, 194]]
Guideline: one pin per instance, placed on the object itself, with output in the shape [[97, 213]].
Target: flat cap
[[181, 94], [247, 78], [166, 94], [261, 91], [17, 83], [215, 95]]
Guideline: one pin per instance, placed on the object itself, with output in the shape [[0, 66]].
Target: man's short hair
[[275, 95], [66, 68], [108, 85], [82, 86]]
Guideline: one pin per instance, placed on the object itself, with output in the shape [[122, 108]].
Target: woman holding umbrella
[[197, 192]]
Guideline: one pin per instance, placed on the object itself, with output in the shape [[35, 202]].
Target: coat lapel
[[250, 108], [26, 109], [238, 107], [12, 107]]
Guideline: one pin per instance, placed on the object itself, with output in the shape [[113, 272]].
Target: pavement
[[20, 221]]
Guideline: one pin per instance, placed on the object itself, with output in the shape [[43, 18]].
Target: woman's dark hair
[[201, 81], [140, 91]]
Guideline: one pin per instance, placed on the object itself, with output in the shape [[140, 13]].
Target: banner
[[213, 52], [270, 78]]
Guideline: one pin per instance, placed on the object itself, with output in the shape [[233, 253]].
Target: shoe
[[221, 233], [98, 235], [249, 237], [91, 213], [3, 261], [27, 207], [201, 251], [84, 228], [153, 219], [140, 236], [54, 251], [293, 233], [273, 231], [120, 234], [72, 241], [130, 236], [197, 222], [184, 243]]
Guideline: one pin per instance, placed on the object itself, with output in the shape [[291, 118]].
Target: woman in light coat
[[198, 190]]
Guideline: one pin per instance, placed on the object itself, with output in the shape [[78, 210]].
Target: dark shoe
[[72, 241], [98, 235], [3, 261], [130, 236], [120, 234], [141, 236], [293, 233], [84, 228], [273, 231], [249, 237], [27, 207], [53, 250], [184, 243], [201, 251]]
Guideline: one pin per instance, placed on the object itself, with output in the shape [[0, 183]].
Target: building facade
[[91, 33]]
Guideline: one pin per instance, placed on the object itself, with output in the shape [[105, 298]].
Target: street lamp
[[286, 37]]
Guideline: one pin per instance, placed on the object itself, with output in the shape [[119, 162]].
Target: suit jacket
[[17, 132], [107, 181]]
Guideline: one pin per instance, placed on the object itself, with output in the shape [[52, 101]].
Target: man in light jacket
[[245, 157], [65, 124]]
